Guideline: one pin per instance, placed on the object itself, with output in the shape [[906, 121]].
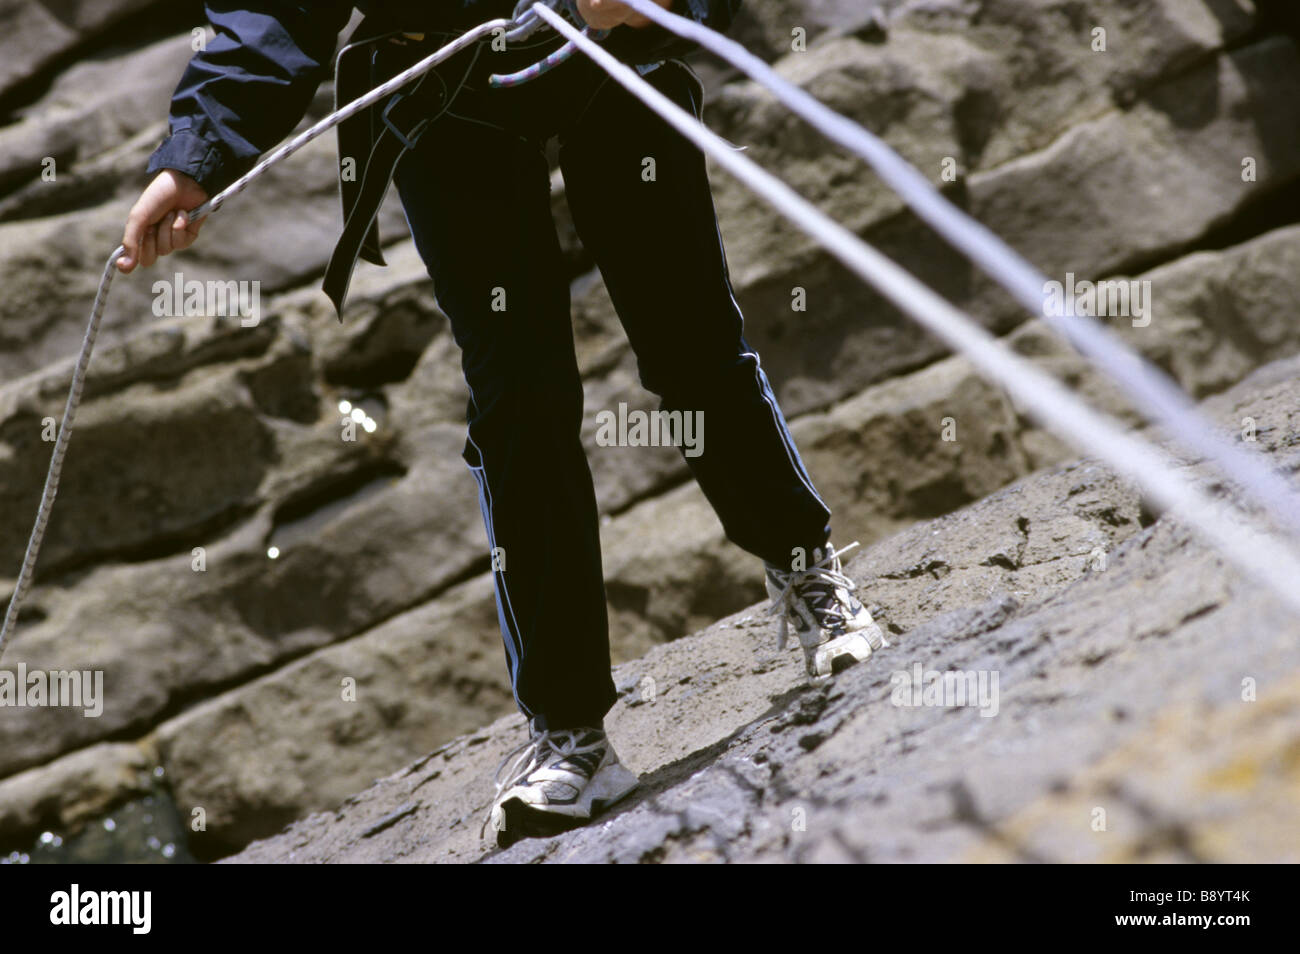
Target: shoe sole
[[836, 655], [610, 784]]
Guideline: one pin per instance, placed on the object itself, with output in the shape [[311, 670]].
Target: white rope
[[1260, 554], [51, 490], [1151, 391], [60, 449], [346, 112]]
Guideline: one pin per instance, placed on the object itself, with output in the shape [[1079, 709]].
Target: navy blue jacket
[[253, 83]]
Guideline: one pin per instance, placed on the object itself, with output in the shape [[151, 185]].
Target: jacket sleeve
[[250, 87], [649, 44]]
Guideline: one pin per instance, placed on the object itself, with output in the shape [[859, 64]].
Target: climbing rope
[[1152, 392], [529, 23], [1261, 554], [60, 448], [344, 113], [51, 489]]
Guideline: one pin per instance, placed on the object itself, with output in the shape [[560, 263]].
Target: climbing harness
[[400, 124], [403, 120], [1270, 559]]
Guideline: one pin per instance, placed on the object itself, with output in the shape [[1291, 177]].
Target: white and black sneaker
[[557, 780], [834, 627]]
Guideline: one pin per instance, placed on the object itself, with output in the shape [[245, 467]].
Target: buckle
[[402, 137]]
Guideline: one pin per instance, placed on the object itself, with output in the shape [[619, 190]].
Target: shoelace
[[534, 753], [824, 572]]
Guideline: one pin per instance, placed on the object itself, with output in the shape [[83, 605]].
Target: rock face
[[261, 689], [1131, 699], [37, 34]]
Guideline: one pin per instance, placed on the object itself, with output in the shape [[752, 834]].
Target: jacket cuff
[[186, 151]]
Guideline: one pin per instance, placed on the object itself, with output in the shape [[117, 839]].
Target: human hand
[[158, 224], [607, 14]]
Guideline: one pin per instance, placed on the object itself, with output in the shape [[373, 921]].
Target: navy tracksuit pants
[[476, 190]]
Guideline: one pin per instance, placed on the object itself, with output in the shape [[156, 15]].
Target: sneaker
[[555, 781], [834, 628]]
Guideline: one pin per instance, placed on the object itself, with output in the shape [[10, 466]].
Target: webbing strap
[[405, 119]]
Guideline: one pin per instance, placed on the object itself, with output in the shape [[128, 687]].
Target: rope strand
[[1152, 392], [51, 489], [1270, 560], [26, 571]]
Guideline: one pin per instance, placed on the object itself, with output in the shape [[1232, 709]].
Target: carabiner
[[529, 23]]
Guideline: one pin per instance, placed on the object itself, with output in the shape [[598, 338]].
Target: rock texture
[[1144, 710], [263, 689]]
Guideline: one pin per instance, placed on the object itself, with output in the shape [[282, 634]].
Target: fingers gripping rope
[[24, 579], [1270, 560], [516, 28], [1273, 562]]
